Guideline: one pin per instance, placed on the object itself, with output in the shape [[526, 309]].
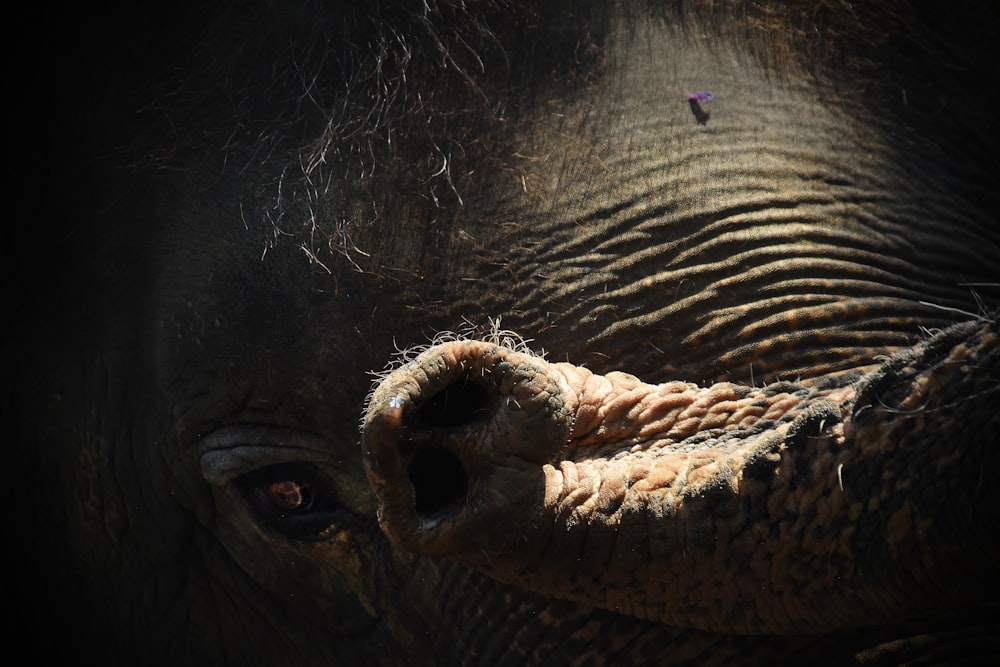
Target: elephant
[[494, 333]]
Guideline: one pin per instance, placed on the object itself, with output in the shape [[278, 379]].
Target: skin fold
[[752, 419]]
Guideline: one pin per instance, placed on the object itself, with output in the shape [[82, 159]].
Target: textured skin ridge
[[618, 409], [784, 509]]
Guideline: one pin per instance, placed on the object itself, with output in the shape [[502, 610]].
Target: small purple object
[[701, 96]]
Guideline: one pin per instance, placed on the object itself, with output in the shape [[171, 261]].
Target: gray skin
[[252, 208]]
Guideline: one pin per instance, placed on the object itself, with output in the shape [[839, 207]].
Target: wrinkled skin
[[248, 209]]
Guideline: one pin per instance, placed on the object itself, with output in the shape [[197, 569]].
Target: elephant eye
[[292, 498], [290, 495]]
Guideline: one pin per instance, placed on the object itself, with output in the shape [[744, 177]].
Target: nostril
[[461, 402], [438, 479], [437, 476]]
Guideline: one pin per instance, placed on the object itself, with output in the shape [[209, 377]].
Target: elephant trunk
[[454, 443], [784, 509]]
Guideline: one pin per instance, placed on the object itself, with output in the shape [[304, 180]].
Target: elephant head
[[753, 253]]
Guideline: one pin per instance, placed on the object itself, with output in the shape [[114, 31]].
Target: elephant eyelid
[[234, 451]]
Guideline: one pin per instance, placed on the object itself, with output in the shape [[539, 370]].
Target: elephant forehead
[[789, 232]]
